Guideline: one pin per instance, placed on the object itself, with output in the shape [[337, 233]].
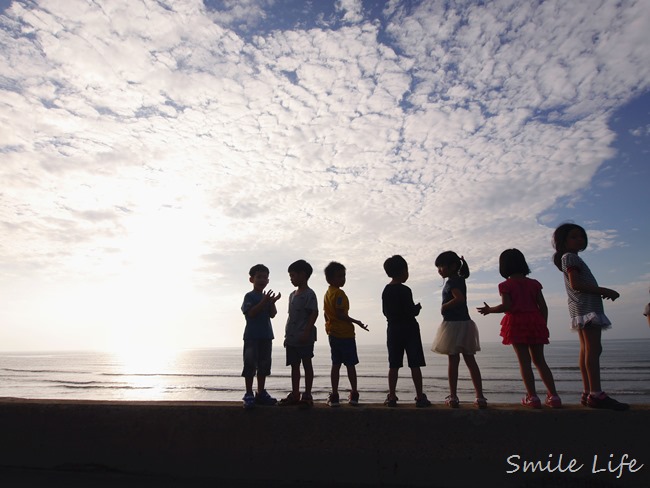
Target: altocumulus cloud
[[203, 130]]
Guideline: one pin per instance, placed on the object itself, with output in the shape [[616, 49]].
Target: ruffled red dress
[[523, 323]]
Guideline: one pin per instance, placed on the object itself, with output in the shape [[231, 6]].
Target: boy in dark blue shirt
[[258, 308]]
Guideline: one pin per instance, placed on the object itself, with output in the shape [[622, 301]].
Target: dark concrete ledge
[[196, 444]]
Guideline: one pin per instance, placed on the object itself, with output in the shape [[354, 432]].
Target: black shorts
[[295, 354], [409, 341]]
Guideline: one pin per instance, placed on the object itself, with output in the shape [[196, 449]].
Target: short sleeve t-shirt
[[258, 327], [459, 312], [301, 306], [580, 304], [335, 298]]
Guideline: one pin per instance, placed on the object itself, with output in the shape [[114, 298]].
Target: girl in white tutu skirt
[[457, 333]]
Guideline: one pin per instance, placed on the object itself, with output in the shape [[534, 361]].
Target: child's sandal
[[481, 402], [452, 401]]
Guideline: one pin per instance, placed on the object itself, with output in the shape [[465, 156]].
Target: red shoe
[[531, 401], [553, 401]]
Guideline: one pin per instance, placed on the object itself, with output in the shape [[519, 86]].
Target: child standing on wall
[[588, 318], [457, 333], [403, 332], [340, 330], [258, 308], [524, 325], [300, 333]]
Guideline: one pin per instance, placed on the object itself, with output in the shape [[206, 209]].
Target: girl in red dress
[[524, 325]]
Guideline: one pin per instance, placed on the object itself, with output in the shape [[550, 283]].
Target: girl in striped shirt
[[588, 318]]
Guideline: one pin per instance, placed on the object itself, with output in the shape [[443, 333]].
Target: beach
[[101, 443]]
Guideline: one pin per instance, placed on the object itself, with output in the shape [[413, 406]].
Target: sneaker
[[289, 401], [306, 400], [553, 401], [391, 402], [452, 401], [422, 402], [606, 402], [333, 400], [249, 400], [531, 401], [263, 398], [584, 399], [481, 402], [353, 399]]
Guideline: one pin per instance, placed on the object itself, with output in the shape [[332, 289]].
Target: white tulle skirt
[[456, 337], [592, 319]]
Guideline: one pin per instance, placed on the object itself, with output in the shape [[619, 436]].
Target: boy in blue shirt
[[258, 308]]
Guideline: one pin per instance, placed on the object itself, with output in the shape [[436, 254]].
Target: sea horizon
[[214, 374]]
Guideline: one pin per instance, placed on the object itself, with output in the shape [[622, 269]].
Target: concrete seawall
[[81, 443]]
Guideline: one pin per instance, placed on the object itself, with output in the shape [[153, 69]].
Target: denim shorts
[[344, 351], [257, 357]]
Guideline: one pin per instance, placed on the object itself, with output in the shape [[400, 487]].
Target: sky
[[153, 151]]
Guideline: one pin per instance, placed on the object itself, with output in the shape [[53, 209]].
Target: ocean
[[214, 374]]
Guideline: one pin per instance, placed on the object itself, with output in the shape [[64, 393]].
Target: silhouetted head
[[396, 267], [568, 237], [512, 261], [450, 264]]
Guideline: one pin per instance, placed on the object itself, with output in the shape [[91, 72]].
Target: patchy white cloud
[[352, 10], [169, 146]]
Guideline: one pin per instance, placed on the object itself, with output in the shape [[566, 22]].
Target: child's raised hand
[[610, 294], [484, 310], [270, 296]]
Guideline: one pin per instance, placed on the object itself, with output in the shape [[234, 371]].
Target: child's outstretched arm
[[574, 283], [342, 314], [502, 308]]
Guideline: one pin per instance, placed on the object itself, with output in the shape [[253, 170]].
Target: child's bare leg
[[309, 374], [248, 380], [261, 383], [475, 374], [583, 364], [452, 373], [593, 348], [393, 374], [523, 355], [336, 372], [295, 379], [537, 352], [416, 374], [352, 376]]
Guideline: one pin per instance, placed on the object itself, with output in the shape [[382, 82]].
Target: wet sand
[[219, 444]]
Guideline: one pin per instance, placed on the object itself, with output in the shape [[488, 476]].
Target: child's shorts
[[410, 341], [295, 354], [257, 357], [344, 351]]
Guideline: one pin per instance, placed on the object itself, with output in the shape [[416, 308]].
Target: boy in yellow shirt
[[340, 330]]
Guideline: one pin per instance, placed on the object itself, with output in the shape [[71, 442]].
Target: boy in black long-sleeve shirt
[[403, 330]]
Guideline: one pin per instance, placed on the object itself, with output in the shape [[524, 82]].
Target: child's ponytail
[[463, 269]]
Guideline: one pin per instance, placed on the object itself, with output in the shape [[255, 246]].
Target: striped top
[[580, 304]]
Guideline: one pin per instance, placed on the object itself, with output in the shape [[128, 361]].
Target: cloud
[[201, 129]]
